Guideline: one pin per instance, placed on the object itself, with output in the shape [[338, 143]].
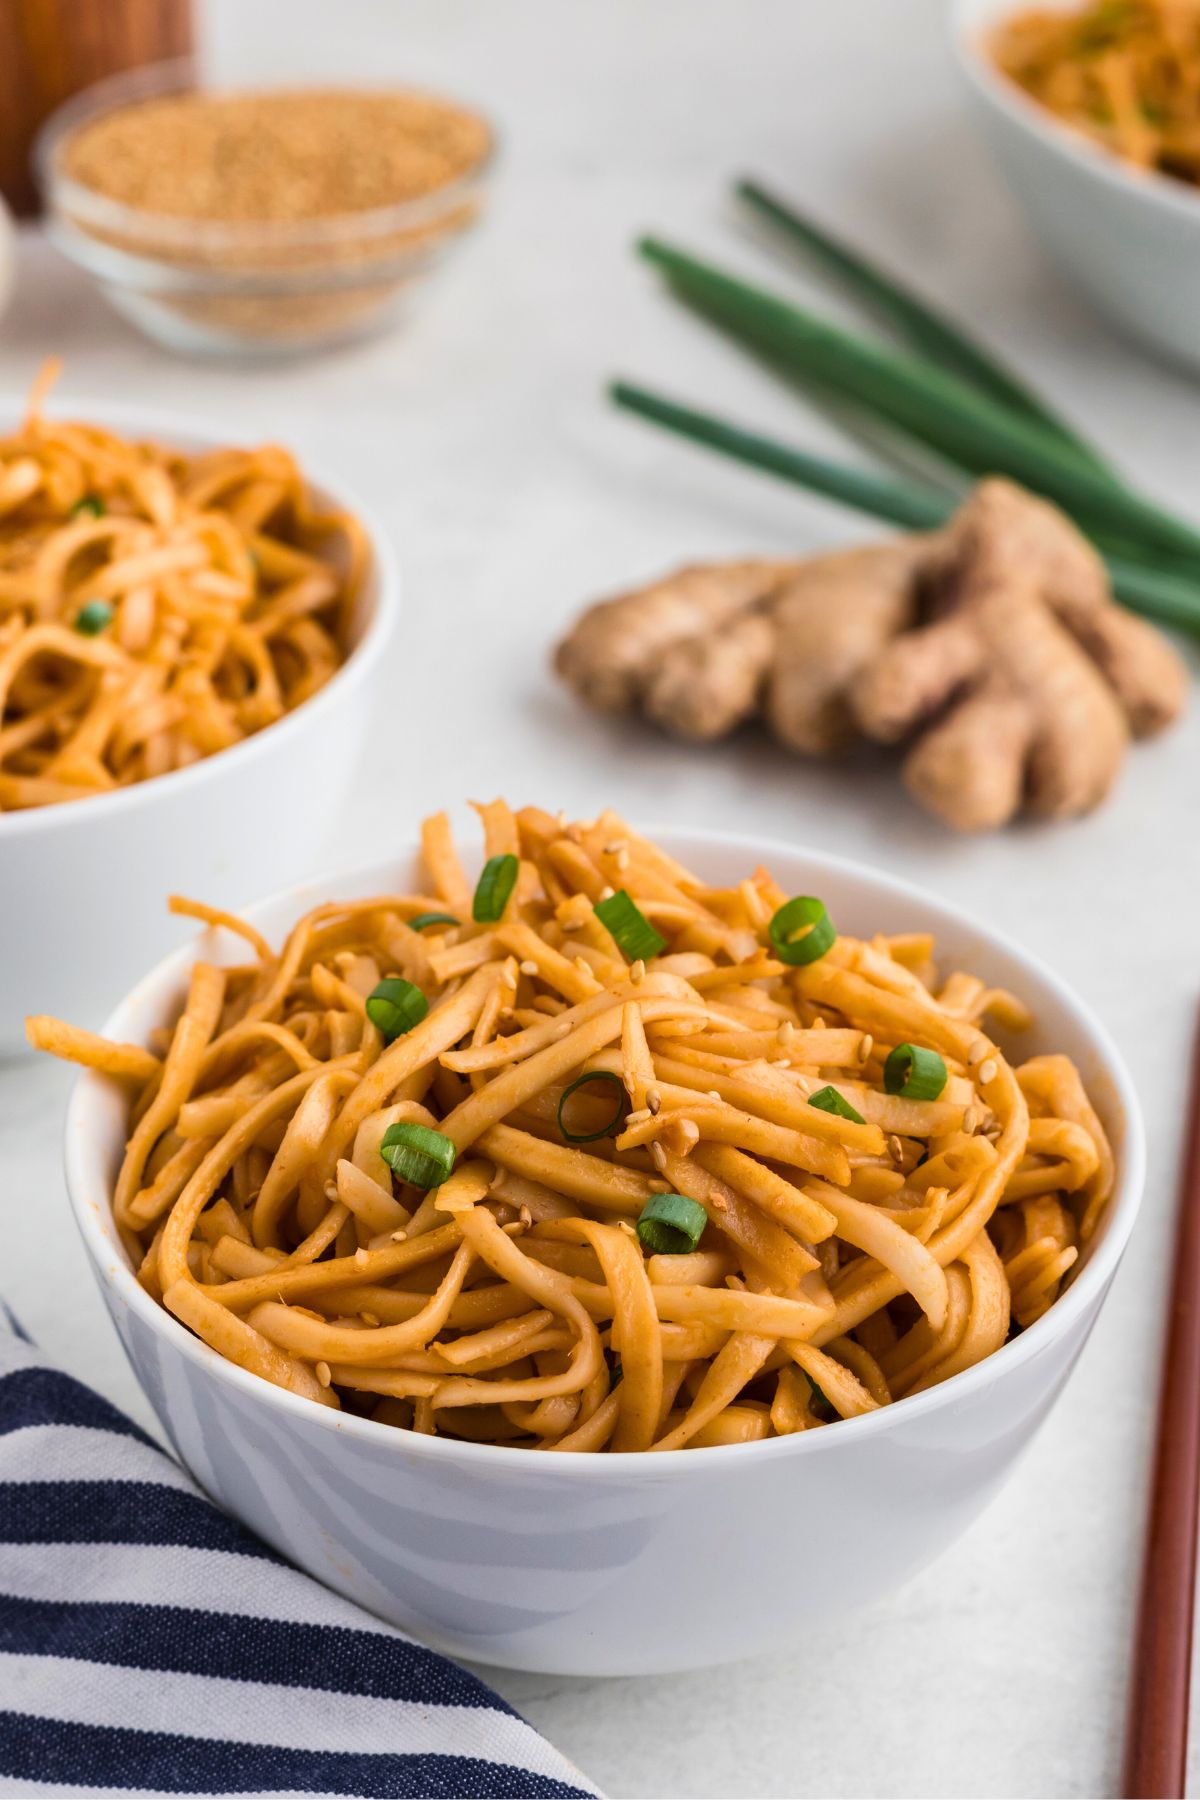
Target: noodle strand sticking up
[[155, 607], [566, 1197]]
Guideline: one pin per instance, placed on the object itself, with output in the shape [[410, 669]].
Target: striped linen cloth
[[149, 1644]]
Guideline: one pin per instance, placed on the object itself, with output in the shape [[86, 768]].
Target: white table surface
[[514, 493]]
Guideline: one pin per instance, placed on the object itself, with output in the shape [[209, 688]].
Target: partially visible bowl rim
[[966, 32], [167, 279], [164, 427], [86, 207], [1084, 1293]]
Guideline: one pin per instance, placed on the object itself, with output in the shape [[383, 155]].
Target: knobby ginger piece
[[1028, 682], [831, 618], [621, 647], [991, 649]]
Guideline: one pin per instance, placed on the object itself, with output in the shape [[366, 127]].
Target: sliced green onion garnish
[[914, 1072], [619, 1097], [417, 1154], [671, 1224], [793, 917], [422, 920], [91, 503], [396, 1006], [827, 1099], [92, 618], [497, 882], [821, 1406], [634, 933]]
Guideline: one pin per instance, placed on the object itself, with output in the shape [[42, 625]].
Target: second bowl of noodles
[[189, 637]]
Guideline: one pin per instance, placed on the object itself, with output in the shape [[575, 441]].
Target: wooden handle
[[1157, 1734], [50, 49]]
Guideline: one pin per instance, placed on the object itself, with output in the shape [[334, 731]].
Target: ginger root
[[992, 648]]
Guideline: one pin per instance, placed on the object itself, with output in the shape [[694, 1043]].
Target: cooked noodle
[[1126, 73], [843, 1259], [155, 607]]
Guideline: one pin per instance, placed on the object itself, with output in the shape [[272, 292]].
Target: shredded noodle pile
[[155, 607], [1124, 72], [595, 1156]]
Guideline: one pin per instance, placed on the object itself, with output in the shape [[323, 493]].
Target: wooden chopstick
[[1157, 1734]]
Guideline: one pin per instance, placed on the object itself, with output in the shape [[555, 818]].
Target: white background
[[514, 493]]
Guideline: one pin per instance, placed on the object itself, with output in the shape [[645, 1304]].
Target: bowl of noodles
[[608, 1253], [1092, 111], [189, 635]]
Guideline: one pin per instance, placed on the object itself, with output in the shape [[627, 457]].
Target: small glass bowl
[[264, 290]]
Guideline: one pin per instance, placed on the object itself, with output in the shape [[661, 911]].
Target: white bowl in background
[[613, 1564], [1128, 238], [84, 885]]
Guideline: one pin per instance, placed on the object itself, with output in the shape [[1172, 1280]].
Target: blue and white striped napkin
[[149, 1644]]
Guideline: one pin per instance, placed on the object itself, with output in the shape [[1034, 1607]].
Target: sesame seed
[[989, 1070], [637, 972], [786, 1031], [654, 1101], [563, 1029], [622, 859], [331, 1192], [287, 155], [682, 1134], [324, 1375], [616, 845], [606, 892], [977, 1052], [658, 1156], [529, 967], [360, 1257], [398, 1237], [865, 1047], [970, 1120], [369, 1318], [895, 1149], [525, 1216], [714, 1094], [818, 1023]]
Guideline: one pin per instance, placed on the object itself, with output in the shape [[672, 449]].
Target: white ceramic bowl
[[83, 886], [1130, 240], [614, 1564]]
